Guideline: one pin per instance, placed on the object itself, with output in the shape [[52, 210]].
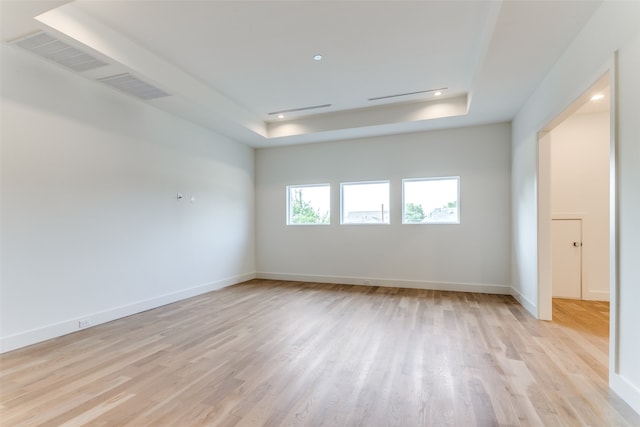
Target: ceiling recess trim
[[397, 113], [53, 49], [406, 94], [293, 110]]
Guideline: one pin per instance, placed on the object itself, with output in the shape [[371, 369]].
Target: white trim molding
[[528, 305], [391, 283], [34, 336], [627, 391]]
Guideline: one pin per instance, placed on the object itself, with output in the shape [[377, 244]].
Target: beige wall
[[580, 190]]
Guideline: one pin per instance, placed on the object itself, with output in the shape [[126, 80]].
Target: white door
[[566, 250]]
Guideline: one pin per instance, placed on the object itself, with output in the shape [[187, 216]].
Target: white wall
[[613, 27], [90, 222], [471, 256], [628, 175], [580, 149]]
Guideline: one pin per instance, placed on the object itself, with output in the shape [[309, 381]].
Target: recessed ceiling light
[[317, 57], [597, 97], [438, 93], [281, 116]]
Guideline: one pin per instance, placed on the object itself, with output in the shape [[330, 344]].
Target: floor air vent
[[134, 86], [49, 47]]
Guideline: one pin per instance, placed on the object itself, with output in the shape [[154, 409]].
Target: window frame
[[435, 178], [288, 204], [379, 181]]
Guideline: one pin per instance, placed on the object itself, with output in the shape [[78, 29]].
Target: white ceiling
[[228, 64]]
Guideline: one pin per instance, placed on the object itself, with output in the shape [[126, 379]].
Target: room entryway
[[574, 201], [575, 216]]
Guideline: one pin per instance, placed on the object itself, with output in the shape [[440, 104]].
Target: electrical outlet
[[84, 323]]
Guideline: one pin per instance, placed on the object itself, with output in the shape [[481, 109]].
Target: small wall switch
[[84, 323]]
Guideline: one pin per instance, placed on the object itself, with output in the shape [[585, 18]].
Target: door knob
[[577, 244]]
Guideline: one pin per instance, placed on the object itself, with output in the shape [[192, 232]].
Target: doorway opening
[[574, 223], [575, 164]]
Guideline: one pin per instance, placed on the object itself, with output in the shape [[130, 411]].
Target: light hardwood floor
[[267, 353]]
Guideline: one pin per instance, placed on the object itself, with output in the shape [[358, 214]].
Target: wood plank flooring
[[269, 353]]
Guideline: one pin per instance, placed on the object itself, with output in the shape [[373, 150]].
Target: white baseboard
[[525, 302], [391, 283], [33, 336], [596, 296], [627, 391]]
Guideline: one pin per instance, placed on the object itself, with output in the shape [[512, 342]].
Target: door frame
[[543, 189], [545, 304]]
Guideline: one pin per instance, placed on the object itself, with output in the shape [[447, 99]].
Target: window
[[308, 204], [431, 201], [365, 202]]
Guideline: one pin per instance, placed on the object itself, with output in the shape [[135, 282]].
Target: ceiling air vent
[[295, 110], [407, 94], [134, 86], [49, 47]]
